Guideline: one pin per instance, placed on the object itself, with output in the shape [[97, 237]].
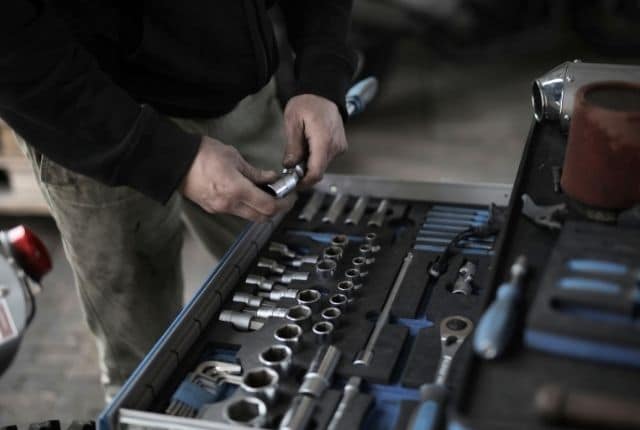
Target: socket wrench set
[[350, 311]]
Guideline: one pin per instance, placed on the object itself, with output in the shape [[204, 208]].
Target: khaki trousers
[[124, 248]]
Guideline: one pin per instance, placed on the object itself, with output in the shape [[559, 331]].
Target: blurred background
[[454, 106]]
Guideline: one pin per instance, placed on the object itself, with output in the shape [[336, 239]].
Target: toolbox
[[418, 218], [571, 362]]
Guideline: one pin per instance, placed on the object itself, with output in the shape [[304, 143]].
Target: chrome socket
[[277, 357], [272, 265], [289, 277], [282, 249], [339, 301], [261, 282], [310, 298], [318, 377], [290, 335], [240, 320], [301, 315], [246, 411], [340, 240], [360, 263], [261, 382], [326, 268], [267, 312], [332, 253], [371, 238], [354, 276], [279, 293], [323, 332], [331, 314], [250, 300], [345, 287]]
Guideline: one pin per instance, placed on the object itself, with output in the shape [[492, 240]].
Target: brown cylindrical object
[[602, 160]]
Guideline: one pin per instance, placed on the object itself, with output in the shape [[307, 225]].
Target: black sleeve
[[317, 31], [53, 93]]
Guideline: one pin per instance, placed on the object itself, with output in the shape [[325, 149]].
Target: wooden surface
[[22, 195]]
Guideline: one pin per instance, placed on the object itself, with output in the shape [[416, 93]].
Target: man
[[130, 112]]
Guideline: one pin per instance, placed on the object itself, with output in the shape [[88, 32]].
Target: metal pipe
[[318, 378], [553, 94]]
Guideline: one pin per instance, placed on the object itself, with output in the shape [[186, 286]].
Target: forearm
[[54, 94]]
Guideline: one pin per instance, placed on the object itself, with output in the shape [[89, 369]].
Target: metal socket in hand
[[340, 301], [345, 287], [331, 314], [326, 268], [246, 411], [332, 253], [261, 382], [310, 298], [301, 315], [289, 334], [340, 240], [323, 332], [277, 357], [287, 182]]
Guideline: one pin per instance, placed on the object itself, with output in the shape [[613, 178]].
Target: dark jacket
[[86, 81]]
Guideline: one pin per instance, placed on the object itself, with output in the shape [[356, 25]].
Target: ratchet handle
[[359, 95], [429, 414], [496, 326]]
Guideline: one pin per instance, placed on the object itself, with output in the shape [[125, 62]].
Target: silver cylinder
[[354, 276], [332, 253], [340, 301], [553, 94], [246, 411], [290, 335], [340, 240], [331, 314], [287, 182], [298, 416], [323, 332], [301, 315], [326, 268], [310, 298], [277, 357], [318, 377], [345, 287], [261, 382]]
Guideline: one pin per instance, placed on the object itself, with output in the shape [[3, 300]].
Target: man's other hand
[[315, 130], [221, 181]]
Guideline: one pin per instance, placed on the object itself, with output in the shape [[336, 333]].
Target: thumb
[[295, 148], [257, 176]]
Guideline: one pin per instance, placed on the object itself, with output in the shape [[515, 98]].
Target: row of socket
[[260, 385], [337, 206]]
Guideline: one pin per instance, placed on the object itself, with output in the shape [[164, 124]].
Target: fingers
[[295, 148], [255, 175], [247, 212]]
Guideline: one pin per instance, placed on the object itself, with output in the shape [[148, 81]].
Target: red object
[[602, 160], [29, 252]]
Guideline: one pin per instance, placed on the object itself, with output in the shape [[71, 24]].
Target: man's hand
[[221, 181], [314, 128]]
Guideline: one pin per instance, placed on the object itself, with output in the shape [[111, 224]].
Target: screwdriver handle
[[496, 325], [429, 414], [359, 95]]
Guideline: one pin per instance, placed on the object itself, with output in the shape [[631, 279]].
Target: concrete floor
[[433, 121]]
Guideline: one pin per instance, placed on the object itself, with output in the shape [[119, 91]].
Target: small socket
[[365, 250], [331, 314], [290, 335], [301, 315], [345, 287], [340, 301], [370, 238], [247, 411], [354, 276], [277, 357], [332, 253], [261, 382], [323, 332], [326, 268], [340, 240], [309, 298], [360, 263]]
